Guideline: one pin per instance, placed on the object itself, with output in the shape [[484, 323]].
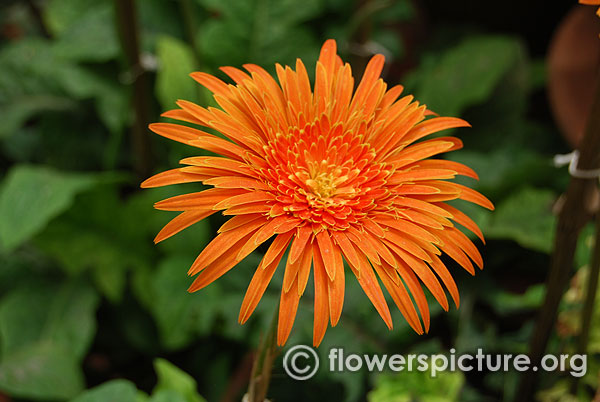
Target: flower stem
[[263, 364], [577, 210], [129, 35], [590, 298]]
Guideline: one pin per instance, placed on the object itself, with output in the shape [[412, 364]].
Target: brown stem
[[128, 33], [191, 27], [575, 213], [590, 298], [263, 364], [239, 379], [36, 13]]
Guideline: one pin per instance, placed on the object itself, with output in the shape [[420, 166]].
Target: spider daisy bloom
[[331, 174]]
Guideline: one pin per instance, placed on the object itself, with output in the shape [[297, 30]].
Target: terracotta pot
[[573, 66]]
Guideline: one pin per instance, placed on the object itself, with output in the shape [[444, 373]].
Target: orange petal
[[401, 298], [201, 200], [288, 306], [197, 138], [347, 248], [168, 177], [462, 219], [262, 235], [420, 174], [440, 269], [180, 222], [459, 168], [415, 289], [182, 115], [327, 253], [368, 282], [236, 182], [304, 271], [426, 276], [424, 150], [262, 277], [468, 194], [248, 197], [238, 221], [336, 288], [211, 82], [217, 267], [221, 245], [434, 125], [236, 74], [321, 309], [299, 244], [423, 206], [457, 237]]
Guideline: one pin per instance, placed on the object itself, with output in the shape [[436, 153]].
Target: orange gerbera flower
[[331, 175]]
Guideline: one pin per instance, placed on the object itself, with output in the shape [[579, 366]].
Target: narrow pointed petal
[[321, 308], [401, 298], [368, 282], [260, 281], [182, 221], [288, 306]]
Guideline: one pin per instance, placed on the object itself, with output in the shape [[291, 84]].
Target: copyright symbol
[[298, 362]]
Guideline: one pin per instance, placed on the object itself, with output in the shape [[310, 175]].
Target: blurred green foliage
[[91, 310]]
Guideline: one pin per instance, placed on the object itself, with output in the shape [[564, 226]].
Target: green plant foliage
[[84, 29], [466, 74], [45, 332], [180, 316], [418, 386], [176, 62], [104, 237], [30, 196], [87, 298], [525, 217], [51, 74], [259, 31], [112, 391], [173, 386], [172, 379], [42, 371]]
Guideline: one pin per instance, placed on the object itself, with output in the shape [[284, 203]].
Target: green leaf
[[259, 31], [525, 217], [418, 385], [30, 196], [112, 391], [16, 113], [506, 303], [504, 169], [61, 315], [42, 371], [176, 62], [167, 395], [90, 35], [45, 330], [171, 378], [106, 236], [180, 316], [466, 74], [49, 73]]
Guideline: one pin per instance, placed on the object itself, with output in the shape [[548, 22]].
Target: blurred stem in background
[[39, 19], [191, 27], [580, 204], [188, 14], [136, 75], [263, 364], [590, 298]]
